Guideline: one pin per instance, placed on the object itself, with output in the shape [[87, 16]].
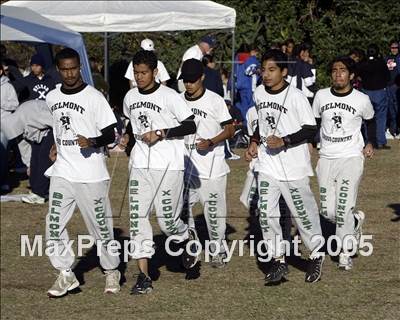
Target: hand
[[53, 153], [84, 142], [203, 144], [251, 152], [151, 137], [123, 142], [275, 142], [369, 150]]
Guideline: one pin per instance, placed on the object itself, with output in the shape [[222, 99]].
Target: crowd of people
[[176, 139]]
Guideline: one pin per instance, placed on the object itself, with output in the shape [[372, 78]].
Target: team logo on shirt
[[271, 121], [65, 120], [41, 90], [144, 122], [337, 124]]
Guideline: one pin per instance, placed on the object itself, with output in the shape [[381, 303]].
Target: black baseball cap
[[192, 70]]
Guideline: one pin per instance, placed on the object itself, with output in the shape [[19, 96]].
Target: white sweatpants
[[302, 205], [211, 193], [338, 181], [249, 192], [93, 202], [149, 188]]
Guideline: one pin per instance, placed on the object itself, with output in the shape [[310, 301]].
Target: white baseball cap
[[147, 45]]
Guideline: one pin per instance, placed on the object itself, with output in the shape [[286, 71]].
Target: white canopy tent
[[135, 16], [22, 24]]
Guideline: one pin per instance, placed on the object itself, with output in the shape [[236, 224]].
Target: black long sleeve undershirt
[[107, 136], [305, 134], [371, 131], [187, 126]]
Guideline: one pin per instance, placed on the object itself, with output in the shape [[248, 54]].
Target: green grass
[[369, 291]]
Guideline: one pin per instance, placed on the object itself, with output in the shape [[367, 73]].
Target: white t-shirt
[[159, 109], [210, 112], [162, 74], [282, 117], [191, 53], [86, 113], [341, 119], [252, 123]]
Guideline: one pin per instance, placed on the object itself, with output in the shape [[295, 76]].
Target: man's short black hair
[[278, 56], [146, 57], [67, 53], [346, 60]]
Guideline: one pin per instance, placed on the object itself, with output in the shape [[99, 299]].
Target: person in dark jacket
[[393, 65], [212, 77], [375, 77], [37, 82]]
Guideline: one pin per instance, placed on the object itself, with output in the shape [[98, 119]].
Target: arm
[[107, 136], [306, 133], [227, 133], [252, 150], [371, 133], [186, 127]]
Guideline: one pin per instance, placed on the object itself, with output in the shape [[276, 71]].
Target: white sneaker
[[233, 157], [360, 218], [33, 198], [112, 281], [218, 261], [388, 135], [66, 281], [345, 262]]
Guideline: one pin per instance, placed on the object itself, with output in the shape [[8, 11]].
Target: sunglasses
[[394, 47]]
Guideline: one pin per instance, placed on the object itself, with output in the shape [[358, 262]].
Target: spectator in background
[[289, 44], [38, 83], [162, 74], [212, 77], [375, 77], [393, 64], [205, 46], [9, 103], [98, 79], [300, 73], [283, 47], [358, 56], [33, 122], [225, 79], [16, 79], [246, 70], [7, 60]]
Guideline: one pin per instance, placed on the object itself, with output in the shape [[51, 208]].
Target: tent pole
[[106, 56], [233, 68]]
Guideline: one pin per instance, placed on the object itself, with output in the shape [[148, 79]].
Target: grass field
[[370, 291]]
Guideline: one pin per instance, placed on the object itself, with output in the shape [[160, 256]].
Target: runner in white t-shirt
[[205, 167], [160, 119], [162, 74], [205, 46], [341, 110], [285, 122], [83, 123]]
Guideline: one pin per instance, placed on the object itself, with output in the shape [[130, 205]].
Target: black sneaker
[[314, 269], [143, 285], [278, 271], [190, 260]]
